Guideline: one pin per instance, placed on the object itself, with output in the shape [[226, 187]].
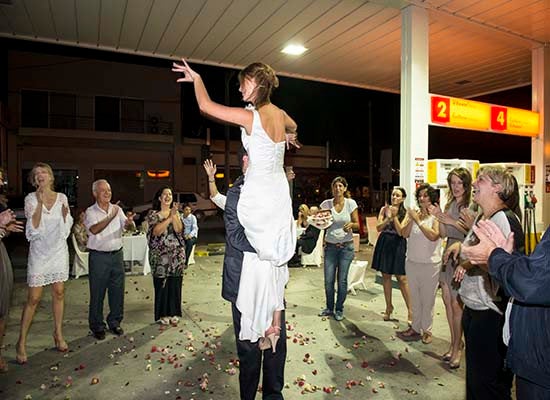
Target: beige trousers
[[423, 279]]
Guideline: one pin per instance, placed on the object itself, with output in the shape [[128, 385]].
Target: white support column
[[540, 147], [415, 103]]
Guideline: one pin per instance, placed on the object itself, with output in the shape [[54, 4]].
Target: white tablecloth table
[[135, 248]]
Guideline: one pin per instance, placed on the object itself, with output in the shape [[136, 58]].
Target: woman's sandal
[[61, 345], [448, 355], [387, 314], [455, 363], [20, 358], [409, 335]]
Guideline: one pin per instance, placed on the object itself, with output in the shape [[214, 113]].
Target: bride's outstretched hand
[[292, 139], [189, 74]]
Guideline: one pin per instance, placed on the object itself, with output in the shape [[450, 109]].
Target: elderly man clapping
[[526, 279]]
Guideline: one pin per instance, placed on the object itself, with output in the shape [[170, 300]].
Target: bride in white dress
[[265, 206]]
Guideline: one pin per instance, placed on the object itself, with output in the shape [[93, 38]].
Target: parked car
[[200, 206]]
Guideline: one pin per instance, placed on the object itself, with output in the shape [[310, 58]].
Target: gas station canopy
[[475, 46]]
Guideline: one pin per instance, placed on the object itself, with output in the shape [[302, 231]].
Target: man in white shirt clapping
[[105, 223]]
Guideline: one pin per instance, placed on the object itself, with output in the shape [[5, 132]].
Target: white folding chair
[[80, 263], [316, 256], [356, 275], [371, 229]]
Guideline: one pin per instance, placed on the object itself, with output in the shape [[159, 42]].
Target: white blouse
[[336, 233], [48, 260]]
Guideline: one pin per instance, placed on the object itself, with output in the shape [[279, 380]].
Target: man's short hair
[[240, 154], [96, 184]]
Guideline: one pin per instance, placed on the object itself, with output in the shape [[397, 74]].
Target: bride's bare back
[[273, 122]]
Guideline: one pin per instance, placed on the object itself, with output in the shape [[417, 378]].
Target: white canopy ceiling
[[476, 46]]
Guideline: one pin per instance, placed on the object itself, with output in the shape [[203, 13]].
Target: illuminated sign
[[469, 114], [158, 174], [514, 121]]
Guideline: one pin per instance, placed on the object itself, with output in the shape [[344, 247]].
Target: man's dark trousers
[[250, 362], [106, 274]]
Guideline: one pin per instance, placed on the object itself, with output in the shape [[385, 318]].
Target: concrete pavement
[[357, 358]]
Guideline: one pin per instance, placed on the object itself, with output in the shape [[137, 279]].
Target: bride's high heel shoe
[[272, 336]]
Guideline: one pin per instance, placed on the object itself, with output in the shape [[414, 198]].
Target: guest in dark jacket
[[250, 355], [526, 279], [307, 240]]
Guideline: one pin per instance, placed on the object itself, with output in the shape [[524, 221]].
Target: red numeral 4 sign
[[499, 118]]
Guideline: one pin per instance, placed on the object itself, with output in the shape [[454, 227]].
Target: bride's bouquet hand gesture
[[189, 74]]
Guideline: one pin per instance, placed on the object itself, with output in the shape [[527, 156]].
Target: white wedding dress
[[265, 212]]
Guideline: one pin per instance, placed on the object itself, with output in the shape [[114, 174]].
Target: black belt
[[340, 245], [105, 252]]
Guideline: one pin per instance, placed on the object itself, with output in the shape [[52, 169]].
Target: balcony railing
[[59, 121]]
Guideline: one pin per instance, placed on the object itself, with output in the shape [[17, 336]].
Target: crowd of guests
[[503, 335], [410, 246], [98, 230], [491, 297]]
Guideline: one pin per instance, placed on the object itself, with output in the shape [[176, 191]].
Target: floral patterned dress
[[167, 251], [167, 259]]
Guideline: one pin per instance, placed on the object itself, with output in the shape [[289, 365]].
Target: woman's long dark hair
[[513, 201], [156, 200], [432, 193], [466, 178], [402, 211]]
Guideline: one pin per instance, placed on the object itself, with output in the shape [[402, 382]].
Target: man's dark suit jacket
[[308, 240], [235, 244]]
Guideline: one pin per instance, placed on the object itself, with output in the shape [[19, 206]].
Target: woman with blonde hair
[[452, 227], [485, 304], [301, 221], [48, 227]]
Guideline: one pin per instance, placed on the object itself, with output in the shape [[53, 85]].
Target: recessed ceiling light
[[294, 49]]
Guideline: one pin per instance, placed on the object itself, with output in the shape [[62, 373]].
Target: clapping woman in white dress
[[48, 227], [264, 208]]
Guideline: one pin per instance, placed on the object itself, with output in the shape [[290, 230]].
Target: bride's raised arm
[[232, 115]]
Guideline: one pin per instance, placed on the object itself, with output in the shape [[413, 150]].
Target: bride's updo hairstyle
[[265, 79]]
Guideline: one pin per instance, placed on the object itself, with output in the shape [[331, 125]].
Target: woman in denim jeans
[[339, 250]]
